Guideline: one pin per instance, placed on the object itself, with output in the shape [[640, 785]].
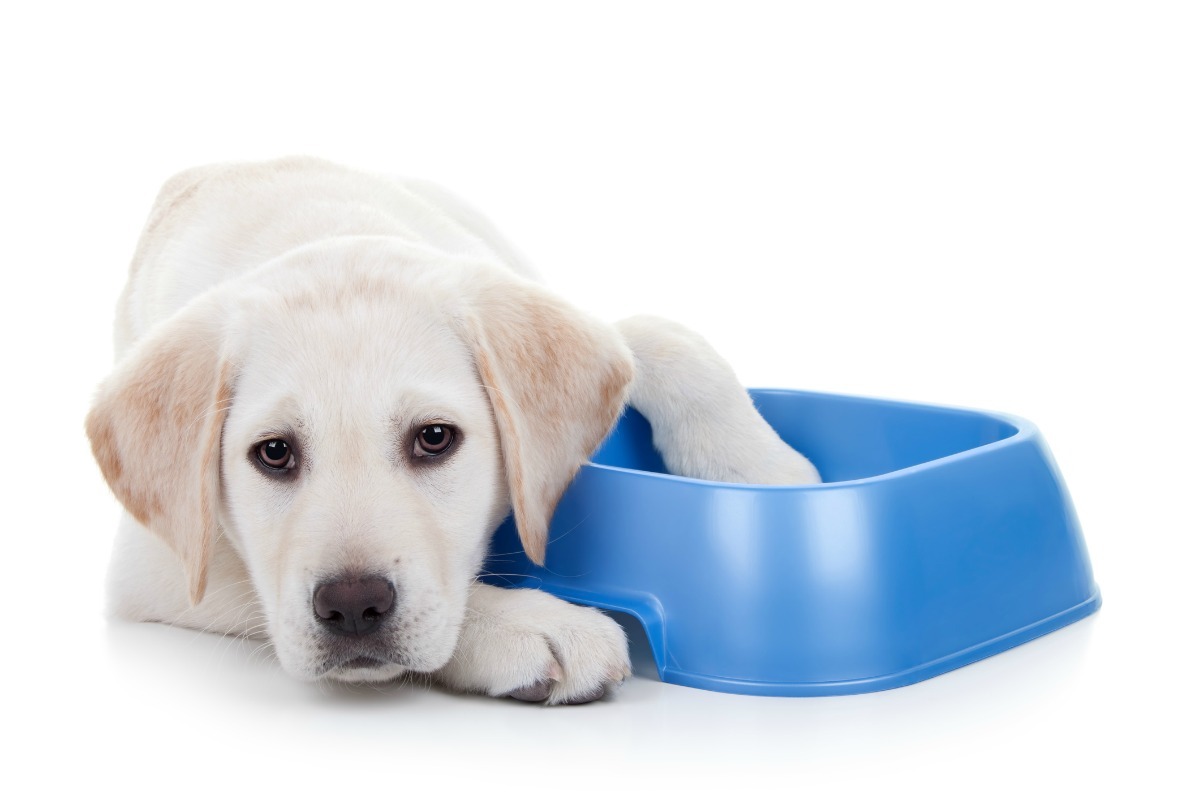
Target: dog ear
[[155, 430], [557, 380]]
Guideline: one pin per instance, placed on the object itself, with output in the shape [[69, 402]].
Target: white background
[[990, 206]]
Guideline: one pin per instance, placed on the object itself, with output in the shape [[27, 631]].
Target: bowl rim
[[1024, 431]]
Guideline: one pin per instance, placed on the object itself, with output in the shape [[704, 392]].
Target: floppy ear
[[155, 429], [557, 380]]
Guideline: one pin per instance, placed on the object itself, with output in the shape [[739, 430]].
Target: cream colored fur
[[298, 298]]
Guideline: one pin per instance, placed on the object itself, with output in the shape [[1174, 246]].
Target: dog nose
[[354, 606]]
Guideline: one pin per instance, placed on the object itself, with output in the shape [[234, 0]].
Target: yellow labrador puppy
[[330, 389]]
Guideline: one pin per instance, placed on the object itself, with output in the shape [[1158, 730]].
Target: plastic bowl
[[942, 536]]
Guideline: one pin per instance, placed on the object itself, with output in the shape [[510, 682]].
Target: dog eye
[[433, 440], [276, 454]]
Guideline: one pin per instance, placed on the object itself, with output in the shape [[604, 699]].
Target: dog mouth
[[363, 669], [363, 662]]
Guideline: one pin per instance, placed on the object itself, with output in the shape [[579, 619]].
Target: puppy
[[332, 387]]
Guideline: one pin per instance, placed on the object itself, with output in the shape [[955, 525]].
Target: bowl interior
[[848, 438]]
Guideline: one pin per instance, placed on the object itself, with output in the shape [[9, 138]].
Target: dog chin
[[365, 670]]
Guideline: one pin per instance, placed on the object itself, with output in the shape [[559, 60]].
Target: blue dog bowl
[[942, 536]]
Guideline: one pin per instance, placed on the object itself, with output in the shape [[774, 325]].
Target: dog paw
[[530, 646]]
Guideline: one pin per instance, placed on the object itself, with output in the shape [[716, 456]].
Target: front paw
[[530, 646]]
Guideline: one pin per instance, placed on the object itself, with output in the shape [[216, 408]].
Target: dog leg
[[528, 645], [705, 425]]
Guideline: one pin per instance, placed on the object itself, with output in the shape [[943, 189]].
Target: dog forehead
[[368, 351]]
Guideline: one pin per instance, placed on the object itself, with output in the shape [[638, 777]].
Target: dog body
[[331, 388]]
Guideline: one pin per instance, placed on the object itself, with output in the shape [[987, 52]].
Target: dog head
[[356, 418]]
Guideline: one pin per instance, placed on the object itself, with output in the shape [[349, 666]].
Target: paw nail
[[619, 675]]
